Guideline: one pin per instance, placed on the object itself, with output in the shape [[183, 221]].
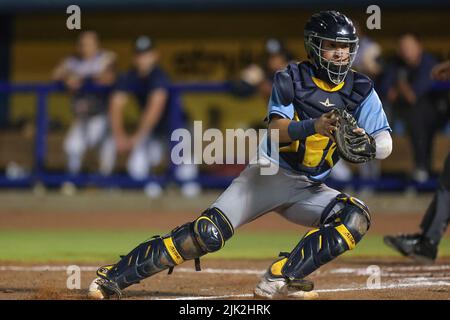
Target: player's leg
[[340, 222], [75, 145], [97, 135], [138, 164], [239, 204], [437, 218], [423, 246], [107, 155], [96, 129], [192, 240]]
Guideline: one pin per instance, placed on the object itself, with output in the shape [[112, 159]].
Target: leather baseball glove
[[355, 147]]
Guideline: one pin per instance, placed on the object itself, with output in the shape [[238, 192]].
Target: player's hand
[[441, 71], [326, 124], [137, 139], [73, 83], [122, 143], [359, 131]]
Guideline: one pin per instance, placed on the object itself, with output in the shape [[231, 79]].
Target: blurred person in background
[[258, 77], [423, 246], [90, 65], [277, 58], [149, 84], [406, 87]]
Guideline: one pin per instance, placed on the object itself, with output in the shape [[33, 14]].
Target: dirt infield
[[228, 279], [344, 278], [382, 223]]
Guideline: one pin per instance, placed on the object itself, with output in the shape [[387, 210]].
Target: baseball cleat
[[279, 288], [404, 243], [425, 252], [102, 287], [414, 246]]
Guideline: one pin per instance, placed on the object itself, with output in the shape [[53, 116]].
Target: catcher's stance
[[312, 104]]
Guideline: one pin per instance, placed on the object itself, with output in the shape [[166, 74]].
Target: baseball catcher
[[322, 110]]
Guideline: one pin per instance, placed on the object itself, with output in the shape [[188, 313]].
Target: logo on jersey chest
[[327, 103]]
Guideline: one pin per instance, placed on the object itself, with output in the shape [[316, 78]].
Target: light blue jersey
[[369, 115]]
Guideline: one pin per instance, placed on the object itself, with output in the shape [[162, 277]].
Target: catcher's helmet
[[332, 26]]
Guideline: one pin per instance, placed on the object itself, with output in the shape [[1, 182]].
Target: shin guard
[[341, 232], [192, 240]]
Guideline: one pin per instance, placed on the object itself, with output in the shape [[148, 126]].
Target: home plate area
[[235, 279]]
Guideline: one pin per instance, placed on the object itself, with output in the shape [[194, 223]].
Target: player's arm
[[441, 71], [108, 69], [62, 73], [383, 142], [156, 103], [405, 89], [117, 103], [372, 118], [281, 115], [291, 130]]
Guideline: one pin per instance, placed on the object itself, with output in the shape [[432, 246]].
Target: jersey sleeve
[[370, 115], [158, 80], [275, 107], [123, 83]]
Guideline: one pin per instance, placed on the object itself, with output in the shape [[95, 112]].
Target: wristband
[[299, 130]]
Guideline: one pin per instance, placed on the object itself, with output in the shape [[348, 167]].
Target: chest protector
[[316, 154]]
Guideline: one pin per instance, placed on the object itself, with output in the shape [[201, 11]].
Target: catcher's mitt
[[352, 146]]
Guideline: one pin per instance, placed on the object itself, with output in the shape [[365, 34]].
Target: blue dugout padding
[[39, 174]]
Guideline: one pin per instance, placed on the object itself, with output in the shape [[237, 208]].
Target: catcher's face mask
[[335, 56]]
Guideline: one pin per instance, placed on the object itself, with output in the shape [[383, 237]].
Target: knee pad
[[207, 233], [339, 233], [353, 220]]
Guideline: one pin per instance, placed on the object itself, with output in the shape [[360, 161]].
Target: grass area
[[39, 246]]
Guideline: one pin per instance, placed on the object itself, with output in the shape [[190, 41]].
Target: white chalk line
[[63, 268], [364, 271], [228, 296], [349, 289], [358, 271], [406, 281]]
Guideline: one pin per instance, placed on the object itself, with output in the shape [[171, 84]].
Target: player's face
[[276, 62], [336, 52], [145, 61], [88, 45], [410, 50]]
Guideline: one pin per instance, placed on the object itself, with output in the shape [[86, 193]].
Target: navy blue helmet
[[336, 27]]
